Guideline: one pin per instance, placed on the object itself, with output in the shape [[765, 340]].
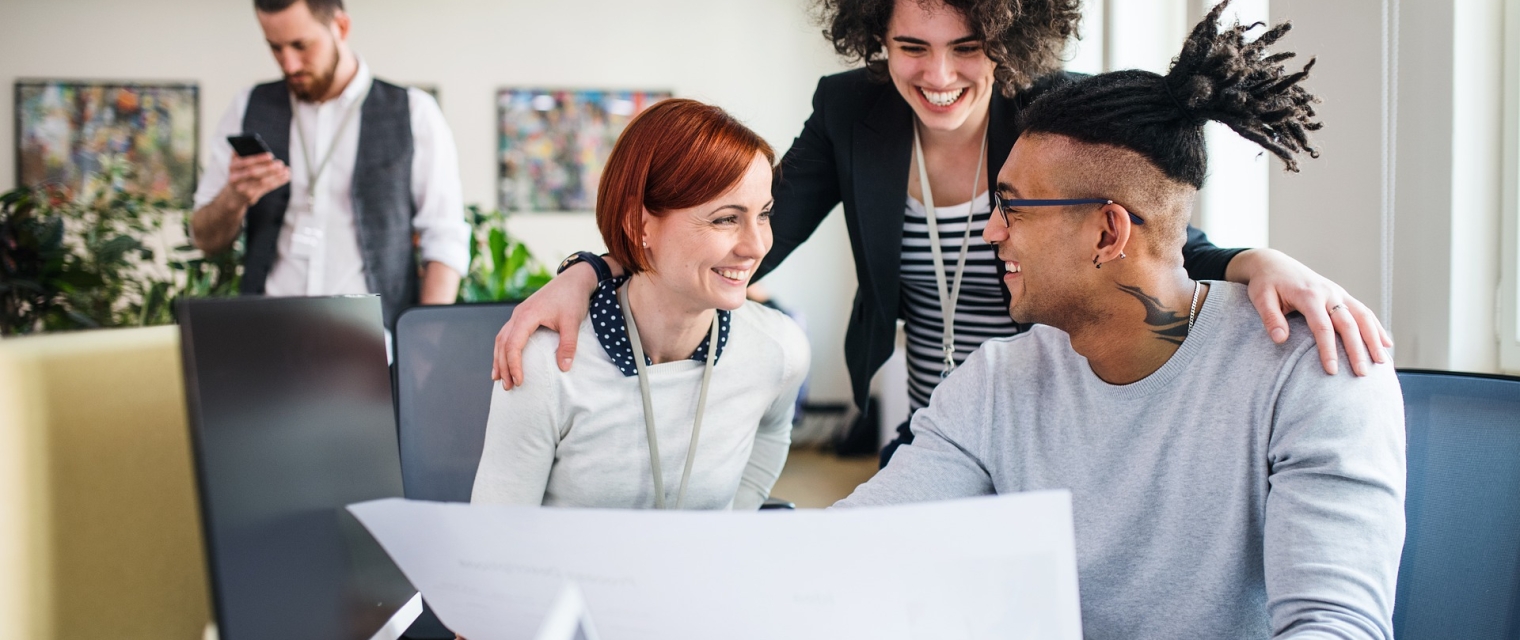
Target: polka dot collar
[[612, 331]]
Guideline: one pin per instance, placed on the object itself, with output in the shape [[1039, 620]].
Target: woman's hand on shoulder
[[1278, 285], [560, 306]]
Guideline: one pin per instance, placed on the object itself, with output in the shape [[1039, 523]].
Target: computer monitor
[[291, 418]]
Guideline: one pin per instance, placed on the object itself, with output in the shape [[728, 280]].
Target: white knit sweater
[[578, 439]]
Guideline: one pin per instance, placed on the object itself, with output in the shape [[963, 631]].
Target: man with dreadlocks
[[1223, 486]]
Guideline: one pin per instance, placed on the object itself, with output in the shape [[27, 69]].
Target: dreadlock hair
[[1218, 76]]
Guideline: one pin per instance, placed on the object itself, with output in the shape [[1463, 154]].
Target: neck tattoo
[[1167, 325]]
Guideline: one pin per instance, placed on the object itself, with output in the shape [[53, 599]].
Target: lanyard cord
[[948, 295], [314, 172], [696, 427]]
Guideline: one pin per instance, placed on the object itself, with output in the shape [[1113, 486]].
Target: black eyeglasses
[[1003, 206]]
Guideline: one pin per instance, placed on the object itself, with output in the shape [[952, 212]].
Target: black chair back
[[1460, 574], [290, 410], [443, 387]]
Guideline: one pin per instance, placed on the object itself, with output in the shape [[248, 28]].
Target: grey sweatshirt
[[1237, 492]]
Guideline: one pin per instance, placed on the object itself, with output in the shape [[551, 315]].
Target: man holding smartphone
[[359, 183]]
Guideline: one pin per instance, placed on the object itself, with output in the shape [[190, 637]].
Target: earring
[[1095, 263], [1122, 256]]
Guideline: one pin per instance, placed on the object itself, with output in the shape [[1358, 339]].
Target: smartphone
[[248, 144]]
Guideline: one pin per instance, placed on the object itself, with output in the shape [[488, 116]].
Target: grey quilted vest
[[382, 193]]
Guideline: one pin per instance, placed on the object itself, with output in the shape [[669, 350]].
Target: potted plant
[[86, 260], [501, 267]]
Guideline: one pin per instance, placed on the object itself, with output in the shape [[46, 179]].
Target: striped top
[[980, 312]]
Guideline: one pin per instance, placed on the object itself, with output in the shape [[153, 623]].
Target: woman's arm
[[522, 434], [774, 436], [806, 189], [559, 306], [1279, 285]]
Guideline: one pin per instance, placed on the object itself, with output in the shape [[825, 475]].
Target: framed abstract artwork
[[69, 132], [552, 144]]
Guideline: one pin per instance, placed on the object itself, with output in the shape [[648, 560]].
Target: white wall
[[1509, 276], [1449, 189], [1403, 206], [1331, 214], [759, 60]]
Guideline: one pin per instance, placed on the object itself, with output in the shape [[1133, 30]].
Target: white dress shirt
[[333, 265]]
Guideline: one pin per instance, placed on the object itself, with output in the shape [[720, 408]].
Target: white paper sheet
[[998, 567]]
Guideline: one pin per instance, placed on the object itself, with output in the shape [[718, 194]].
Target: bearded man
[[358, 168]]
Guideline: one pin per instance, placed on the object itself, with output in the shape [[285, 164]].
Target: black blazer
[[854, 149]]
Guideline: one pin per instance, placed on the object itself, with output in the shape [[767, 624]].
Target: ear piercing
[[1099, 265]]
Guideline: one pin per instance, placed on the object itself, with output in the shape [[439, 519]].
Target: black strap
[[603, 272]]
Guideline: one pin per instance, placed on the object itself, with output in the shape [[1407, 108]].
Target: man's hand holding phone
[[254, 171]]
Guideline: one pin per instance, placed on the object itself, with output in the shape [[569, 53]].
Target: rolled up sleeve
[[444, 235]]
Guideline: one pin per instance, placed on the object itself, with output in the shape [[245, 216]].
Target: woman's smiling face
[[937, 63], [707, 254]]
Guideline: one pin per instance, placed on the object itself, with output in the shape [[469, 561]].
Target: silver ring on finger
[[1337, 308]]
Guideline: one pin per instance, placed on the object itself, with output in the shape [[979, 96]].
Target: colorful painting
[[68, 132], [553, 144]]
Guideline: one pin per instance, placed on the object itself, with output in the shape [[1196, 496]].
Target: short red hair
[[677, 154]]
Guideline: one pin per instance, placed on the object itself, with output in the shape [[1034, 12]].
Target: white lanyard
[[309, 236], [948, 295], [696, 427]]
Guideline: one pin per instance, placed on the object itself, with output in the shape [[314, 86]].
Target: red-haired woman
[[688, 401]]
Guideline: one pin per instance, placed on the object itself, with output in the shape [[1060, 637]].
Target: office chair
[[443, 395], [1460, 574]]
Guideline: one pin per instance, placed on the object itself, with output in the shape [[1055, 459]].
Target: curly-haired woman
[[909, 144]]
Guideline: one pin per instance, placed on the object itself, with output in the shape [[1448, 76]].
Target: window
[[1509, 279]]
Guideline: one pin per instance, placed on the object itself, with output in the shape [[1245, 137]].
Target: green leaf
[[518, 258], [497, 240], [537, 281], [80, 279], [113, 250]]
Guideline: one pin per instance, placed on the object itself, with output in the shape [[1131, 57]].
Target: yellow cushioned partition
[[99, 529]]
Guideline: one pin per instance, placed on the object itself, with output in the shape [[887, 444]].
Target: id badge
[[306, 241]]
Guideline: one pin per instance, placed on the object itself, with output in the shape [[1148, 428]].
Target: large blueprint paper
[[998, 567]]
